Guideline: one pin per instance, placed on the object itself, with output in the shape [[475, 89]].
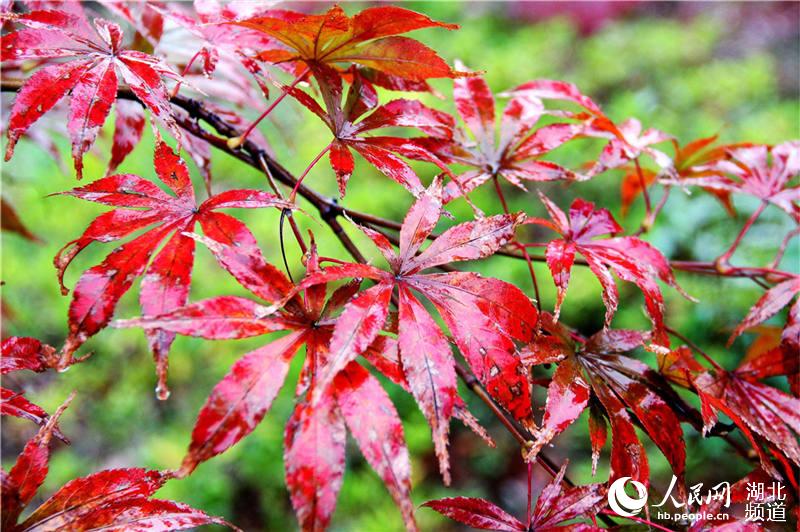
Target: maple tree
[[362, 329]]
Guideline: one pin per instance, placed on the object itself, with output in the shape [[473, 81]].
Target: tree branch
[[251, 154]]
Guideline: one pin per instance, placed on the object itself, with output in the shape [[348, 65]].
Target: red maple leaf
[[554, 506], [626, 141], [761, 171], [690, 161], [631, 258], [18, 354], [128, 129], [144, 17], [315, 434], [370, 39], [221, 54], [485, 316], [515, 155], [51, 128], [90, 77], [167, 277], [350, 125], [594, 373], [770, 304], [118, 499], [752, 405], [221, 47]]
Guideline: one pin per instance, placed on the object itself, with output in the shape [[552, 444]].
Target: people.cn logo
[[622, 503]]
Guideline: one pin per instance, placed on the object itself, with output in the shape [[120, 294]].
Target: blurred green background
[[692, 70]]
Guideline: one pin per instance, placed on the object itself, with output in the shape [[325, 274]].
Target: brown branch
[[249, 153]]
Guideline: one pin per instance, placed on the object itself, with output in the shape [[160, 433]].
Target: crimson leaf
[[631, 258], [167, 277], [485, 316], [90, 77]]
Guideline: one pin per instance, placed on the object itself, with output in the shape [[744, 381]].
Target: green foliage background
[[691, 77]]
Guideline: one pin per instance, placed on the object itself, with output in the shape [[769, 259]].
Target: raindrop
[[162, 392]]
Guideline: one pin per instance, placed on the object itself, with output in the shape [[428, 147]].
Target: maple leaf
[[222, 47], [315, 434], [790, 343], [370, 39], [128, 129], [485, 316], [631, 258], [761, 171], [21, 353], [349, 125], [626, 141], [167, 277], [594, 372], [515, 154], [115, 499], [144, 17], [51, 128], [315, 445], [91, 77], [690, 161], [752, 405], [219, 55], [555, 505], [770, 304]]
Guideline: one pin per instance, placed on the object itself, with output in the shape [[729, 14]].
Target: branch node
[[330, 210]]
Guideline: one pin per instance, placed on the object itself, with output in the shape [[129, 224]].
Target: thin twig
[[521, 247], [645, 193], [722, 260], [249, 153], [650, 219], [694, 347]]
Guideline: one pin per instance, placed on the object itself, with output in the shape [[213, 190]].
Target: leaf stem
[[237, 141], [298, 235], [722, 260], [185, 71], [521, 247], [781, 250], [307, 170], [649, 220], [283, 246], [645, 193], [694, 347], [530, 496]]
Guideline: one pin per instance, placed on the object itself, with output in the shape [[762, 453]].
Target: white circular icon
[[622, 503]]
